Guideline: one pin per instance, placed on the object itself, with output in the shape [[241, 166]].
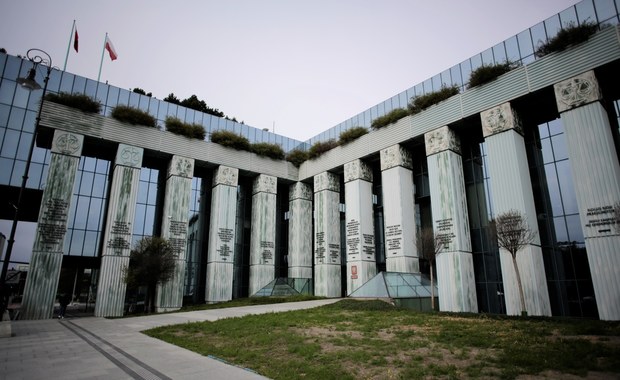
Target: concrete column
[[300, 231], [118, 231], [221, 254], [263, 233], [174, 229], [327, 273], [360, 230], [399, 210], [47, 251], [512, 190], [455, 264], [595, 168]]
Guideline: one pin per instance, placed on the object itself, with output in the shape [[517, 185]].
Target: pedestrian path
[[99, 348]]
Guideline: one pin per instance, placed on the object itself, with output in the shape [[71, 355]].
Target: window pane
[[605, 9], [552, 26], [568, 17], [585, 12], [565, 177]]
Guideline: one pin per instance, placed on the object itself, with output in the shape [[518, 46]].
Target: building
[[542, 139]]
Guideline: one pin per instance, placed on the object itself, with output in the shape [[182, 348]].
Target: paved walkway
[[99, 348]]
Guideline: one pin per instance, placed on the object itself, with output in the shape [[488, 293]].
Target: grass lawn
[[374, 340]]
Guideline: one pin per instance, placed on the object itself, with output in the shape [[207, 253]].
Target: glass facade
[[562, 238], [517, 49]]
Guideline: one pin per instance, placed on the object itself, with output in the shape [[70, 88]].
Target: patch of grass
[[570, 35], [133, 116], [82, 102], [373, 339]]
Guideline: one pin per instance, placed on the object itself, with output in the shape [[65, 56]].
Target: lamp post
[[37, 57]]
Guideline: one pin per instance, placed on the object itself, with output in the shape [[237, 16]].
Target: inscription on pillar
[[267, 251], [225, 250], [319, 252], [177, 236], [353, 237], [445, 231], [601, 219], [53, 222], [119, 237], [393, 238]]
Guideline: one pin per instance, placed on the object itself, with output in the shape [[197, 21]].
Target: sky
[[295, 67]]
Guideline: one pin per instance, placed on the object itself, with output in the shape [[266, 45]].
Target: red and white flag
[[110, 48], [75, 41]]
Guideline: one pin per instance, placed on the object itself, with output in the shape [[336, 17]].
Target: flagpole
[[69, 46], [102, 53]]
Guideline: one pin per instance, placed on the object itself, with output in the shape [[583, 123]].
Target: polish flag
[[75, 41], [110, 48]]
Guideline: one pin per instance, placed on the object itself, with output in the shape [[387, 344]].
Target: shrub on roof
[[488, 73], [297, 157], [178, 127], [134, 116], [230, 139], [391, 117], [570, 35], [79, 101], [422, 102], [274, 151], [352, 134], [321, 147]]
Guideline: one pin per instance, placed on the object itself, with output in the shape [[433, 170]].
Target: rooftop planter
[[231, 140], [422, 102], [81, 102], [488, 73], [391, 117], [352, 134], [321, 147], [570, 35], [193, 131], [297, 157], [270, 150], [133, 116]]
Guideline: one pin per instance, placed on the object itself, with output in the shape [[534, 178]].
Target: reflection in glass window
[[605, 9], [585, 12]]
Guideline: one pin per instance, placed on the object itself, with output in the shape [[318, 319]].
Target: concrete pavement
[[99, 348]]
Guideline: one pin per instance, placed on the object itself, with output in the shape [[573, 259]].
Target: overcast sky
[[301, 66]]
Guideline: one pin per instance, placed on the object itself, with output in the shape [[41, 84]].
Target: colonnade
[[314, 232]]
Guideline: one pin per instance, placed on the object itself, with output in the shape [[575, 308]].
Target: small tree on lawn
[[151, 262], [429, 246], [513, 234]]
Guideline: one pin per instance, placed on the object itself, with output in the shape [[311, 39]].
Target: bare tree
[[151, 262], [617, 215], [513, 234], [429, 246]]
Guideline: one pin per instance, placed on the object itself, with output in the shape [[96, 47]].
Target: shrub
[[570, 35], [178, 127], [321, 147], [487, 73], [80, 101], [422, 102], [274, 151], [297, 157], [231, 140], [352, 134], [134, 116], [391, 117]]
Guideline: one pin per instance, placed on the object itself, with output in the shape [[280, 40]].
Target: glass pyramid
[[395, 285], [284, 286]]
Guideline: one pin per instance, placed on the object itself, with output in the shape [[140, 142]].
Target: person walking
[[64, 300]]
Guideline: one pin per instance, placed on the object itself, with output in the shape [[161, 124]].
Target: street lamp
[[37, 57]]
